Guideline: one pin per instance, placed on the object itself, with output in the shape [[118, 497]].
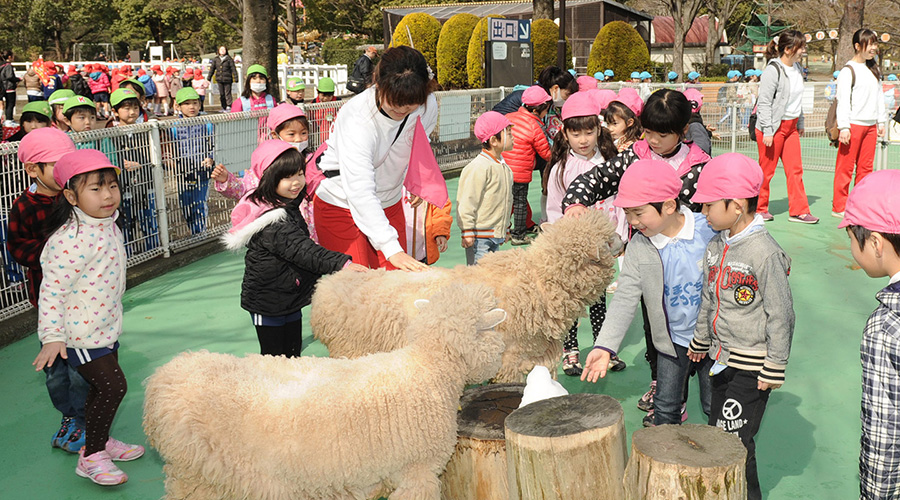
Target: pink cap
[[489, 124], [647, 181], [586, 82], [695, 97], [45, 145], [580, 104], [874, 203], [731, 176], [535, 96], [80, 161], [630, 97], [265, 154], [603, 97], [282, 113]]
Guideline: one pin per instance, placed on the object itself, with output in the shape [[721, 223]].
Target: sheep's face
[[589, 241]]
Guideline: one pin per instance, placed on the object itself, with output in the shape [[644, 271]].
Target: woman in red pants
[[779, 124]]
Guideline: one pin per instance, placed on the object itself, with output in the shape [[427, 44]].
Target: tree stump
[[566, 448], [477, 469], [675, 462]]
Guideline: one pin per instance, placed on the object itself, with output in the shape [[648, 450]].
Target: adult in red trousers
[[357, 207]]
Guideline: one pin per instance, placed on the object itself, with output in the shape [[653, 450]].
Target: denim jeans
[[193, 204], [139, 211], [68, 390], [673, 375], [481, 247]]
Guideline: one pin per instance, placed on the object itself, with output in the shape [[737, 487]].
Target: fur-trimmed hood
[[256, 218]]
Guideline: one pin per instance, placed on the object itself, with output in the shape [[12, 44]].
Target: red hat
[[490, 124], [281, 113], [78, 162], [603, 98], [104, 68], [535, 96], [695, 97], [580, 104], [586, 82], [71, 70], [874, 203], [630, 97], [50, 67], [141, 72], [155, 67], [89, 68], [647, 181], [171, 69], [45, 145], [190, 72], [731, 176]]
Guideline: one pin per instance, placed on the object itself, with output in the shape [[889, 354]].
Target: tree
[[452, 46], [545, 38], [619, 47], [683, 13], [62, 23], [475, 54], [851, 21], [420, 31], [260, 38], [719, 12]]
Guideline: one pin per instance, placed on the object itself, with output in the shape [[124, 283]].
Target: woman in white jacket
[[860, 117]]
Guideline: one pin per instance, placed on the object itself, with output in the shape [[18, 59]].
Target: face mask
[[558, 101], [299, 146], [258, 87]]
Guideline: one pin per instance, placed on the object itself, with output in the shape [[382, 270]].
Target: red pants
[[786, 146], [861, 153], [337, 231]]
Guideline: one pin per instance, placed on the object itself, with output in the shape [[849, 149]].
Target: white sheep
[[543, 289], [273, 428]]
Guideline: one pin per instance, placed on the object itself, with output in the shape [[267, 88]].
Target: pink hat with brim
[[265, 154], [695, 97], [80, 162], [580, 104], [603, 97], [731, 176], [630, 97], [490, 124], [45, 145], [875, 203], [586, 82], [535, 96], [647, 181], [282, 113]]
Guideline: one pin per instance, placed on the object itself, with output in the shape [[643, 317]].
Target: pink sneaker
[[122, 452], [100, 469]]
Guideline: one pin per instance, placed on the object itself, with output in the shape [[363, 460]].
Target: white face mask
[[258, 87], [299, 146], [558, 101]]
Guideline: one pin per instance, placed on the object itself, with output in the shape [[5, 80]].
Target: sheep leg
[[417, 482]]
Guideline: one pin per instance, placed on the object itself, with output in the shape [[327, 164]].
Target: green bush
[[618, 47], [424, 30], [544, 36], [340, 51], [452, 48], [475, 54]]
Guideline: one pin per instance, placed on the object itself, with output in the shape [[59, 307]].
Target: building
[[663, 36]]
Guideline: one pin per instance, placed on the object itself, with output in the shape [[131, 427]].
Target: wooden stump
[[566, 448], [477, 469], [675, 462]]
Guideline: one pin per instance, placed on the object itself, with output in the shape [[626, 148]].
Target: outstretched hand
[[595, 365], [404, 262]]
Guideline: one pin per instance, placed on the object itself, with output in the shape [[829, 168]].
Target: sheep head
[[590, 239]]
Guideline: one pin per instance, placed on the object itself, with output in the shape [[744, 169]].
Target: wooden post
[[477, 469], [566, 448], [685, 462]]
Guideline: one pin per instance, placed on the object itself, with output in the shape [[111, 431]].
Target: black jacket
[[8, 78], [224, 68], [282, 263], [79, 86], [363, 69]]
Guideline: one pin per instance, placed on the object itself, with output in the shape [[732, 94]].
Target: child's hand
[[208, 163], [467, 241], [131, 165], [576, 211], [414, 201], [765, 386], [48, 354], [358, 268], [696, 357], [595, 365], [441, 243], [220, 174]]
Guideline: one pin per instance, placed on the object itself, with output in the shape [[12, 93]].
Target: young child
[[484, 196], [296, 91], [579, 146], [85, 239], [200, 84], [162, 91], [746, 317], [325, 90], [623, 125], [662, 264], [149, 90], [140, 91], [872, 220], [57, 101], [189, 150], [427, 228], [173, 84], [79, 113], [282, 262], [35, 115], [697, 132], [100, 88], [257, 92]]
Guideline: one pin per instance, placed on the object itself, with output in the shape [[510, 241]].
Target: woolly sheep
[[543, 289], [273, 428]]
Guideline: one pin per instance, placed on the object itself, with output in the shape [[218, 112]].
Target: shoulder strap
[[400, 130], [245, 104], [270, 102], [853, 74]]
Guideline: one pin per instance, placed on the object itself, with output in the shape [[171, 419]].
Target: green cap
[[186, 94], [135, 82], [325, 85], [257, 68], [39, 107], [61, 96], [295, 83], [78, 101], [120, 95]]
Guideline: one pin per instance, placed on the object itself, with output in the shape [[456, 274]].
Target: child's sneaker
[[648, 419], [123, 452], [76, 440], [100, 469], [646, 401], [524, 240], [616, 364], [571, 365], [66, 427]]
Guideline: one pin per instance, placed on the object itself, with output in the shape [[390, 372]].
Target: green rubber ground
[[807, 447]]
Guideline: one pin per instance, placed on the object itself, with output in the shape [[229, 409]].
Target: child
[[35, 115], [200, 84], [173, 83], [323, 118], [100, 88], [79, 113], [427, 228], [140, 91], [662, 265], [257, 92], [84, 235], [623, 125], [728, 94], [325, 90], [746, 318], [39, 151], [530, 142], [57, 101], [579, 146], [697, 132], [484, 196], [282, 262], [149, 90], [872, 219], [296, 91], [162, 91], [78, 84]]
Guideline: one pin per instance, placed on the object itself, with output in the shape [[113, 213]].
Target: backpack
[[355, 82], [831, 129], [751, 123]]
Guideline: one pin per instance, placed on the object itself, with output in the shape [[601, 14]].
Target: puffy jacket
[[530, 142], [223, 70], [32, 80], [79, 86], [437, 223], [98, 83], [149, 85]]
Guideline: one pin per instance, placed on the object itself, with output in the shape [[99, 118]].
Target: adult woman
[[779, 124], [860, 117], [358, 209], [227, 74]]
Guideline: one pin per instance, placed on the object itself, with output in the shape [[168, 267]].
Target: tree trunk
[[678, 49], [685, 461], [542, 9], [851, 21], [261, 38], [712, 40]]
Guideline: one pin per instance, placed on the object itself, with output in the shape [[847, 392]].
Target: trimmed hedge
[[340, 51], [544, 36], [475, 54], [424, 29], [618, 47], [452, 48]]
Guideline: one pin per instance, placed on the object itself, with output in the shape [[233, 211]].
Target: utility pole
[[561, 43]]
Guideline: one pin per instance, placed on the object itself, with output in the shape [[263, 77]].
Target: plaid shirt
[[879, 460], [27, 235]]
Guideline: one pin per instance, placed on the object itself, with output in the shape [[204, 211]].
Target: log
[[690, 461], [477, 469], [566, 448]]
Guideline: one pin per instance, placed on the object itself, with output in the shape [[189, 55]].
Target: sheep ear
[[491, 319], [420, 303]]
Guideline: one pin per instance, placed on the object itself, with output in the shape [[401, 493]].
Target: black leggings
[[598, 315], [108, 387], [277, 340], [648, 340], [10, 107]]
